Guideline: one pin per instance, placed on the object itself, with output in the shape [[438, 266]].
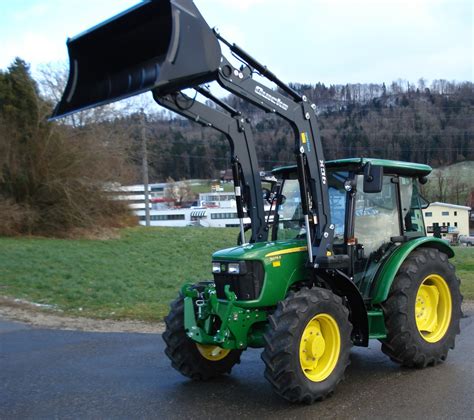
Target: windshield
[[290, 215]]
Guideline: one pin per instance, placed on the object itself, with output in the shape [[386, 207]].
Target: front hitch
[[203, 309]]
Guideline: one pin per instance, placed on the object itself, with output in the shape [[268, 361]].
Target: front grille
[[246, 286]]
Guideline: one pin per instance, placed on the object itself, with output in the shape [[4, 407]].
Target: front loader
[[343, 256]]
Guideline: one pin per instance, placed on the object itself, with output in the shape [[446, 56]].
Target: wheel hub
[[320, 347], [433, 308], [212, 353]]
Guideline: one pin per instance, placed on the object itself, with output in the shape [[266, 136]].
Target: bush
[[15, 218], [52, 176]]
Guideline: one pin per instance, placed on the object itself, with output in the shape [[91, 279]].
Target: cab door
[[376, 221]]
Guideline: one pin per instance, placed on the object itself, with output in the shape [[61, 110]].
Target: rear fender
[[386, 275]]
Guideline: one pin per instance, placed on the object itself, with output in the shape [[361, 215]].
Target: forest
[[416, 123]]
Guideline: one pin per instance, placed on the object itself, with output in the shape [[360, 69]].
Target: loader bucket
[[157, 44]]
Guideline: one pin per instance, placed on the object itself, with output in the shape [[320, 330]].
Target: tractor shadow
[[373, 384], [246, 391]]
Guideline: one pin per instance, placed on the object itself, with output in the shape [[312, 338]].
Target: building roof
[[454, 206]]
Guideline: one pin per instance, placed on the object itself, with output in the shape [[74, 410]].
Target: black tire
[[184, 354], [283, 339], [405, 343]]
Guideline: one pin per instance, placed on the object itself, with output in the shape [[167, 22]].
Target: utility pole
[[145, 167]]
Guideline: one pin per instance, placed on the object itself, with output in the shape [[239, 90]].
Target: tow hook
[[200, 303]]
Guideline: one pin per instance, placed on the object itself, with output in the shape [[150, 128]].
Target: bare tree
[[442, 184], [178, 191]]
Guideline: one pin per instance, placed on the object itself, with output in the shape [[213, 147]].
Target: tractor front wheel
[[307, 345], [423, 310], [194, 360]]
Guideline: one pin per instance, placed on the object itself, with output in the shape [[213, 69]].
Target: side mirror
[[373, 178], [423, 180]]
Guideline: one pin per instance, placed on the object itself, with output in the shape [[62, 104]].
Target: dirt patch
[[468, 307], [36, 316]]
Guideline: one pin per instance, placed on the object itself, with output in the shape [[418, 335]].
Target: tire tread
[[402, 344], [280, 343]]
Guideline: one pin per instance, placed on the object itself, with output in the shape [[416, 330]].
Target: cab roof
[[355, 164]]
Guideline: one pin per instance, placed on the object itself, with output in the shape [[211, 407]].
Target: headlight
[[234, 268], [216, 267]]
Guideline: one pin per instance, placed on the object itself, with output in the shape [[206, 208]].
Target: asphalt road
[[69, 374]]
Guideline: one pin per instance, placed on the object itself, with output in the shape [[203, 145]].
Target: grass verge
[[464, 263], [132, 277]]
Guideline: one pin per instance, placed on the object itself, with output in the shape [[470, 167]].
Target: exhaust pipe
[[158, 44]]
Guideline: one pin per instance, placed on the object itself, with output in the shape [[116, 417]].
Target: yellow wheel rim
[[433, 308], [212, 353], [320, 346]]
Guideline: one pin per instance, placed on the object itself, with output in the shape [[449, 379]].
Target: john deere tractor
[[342, 255]]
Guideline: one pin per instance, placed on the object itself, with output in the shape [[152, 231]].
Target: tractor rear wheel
[[307, 345], [194, 360], [423, 310]]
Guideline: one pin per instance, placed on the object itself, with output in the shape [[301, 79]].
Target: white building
[[215, 209], [217, 199], [134, 195], [204, 217], [452, 220]]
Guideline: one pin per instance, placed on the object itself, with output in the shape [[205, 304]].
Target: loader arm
[[247, 182], [308, 149], [167, 46]]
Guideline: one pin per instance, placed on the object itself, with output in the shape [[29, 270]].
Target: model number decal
[[322, 167], [276, 101]]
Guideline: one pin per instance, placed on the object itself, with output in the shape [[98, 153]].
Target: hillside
[[451, 184], [464, 170], [417, 123]]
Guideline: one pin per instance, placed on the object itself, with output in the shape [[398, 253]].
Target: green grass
[[464, 262], [133, 277]]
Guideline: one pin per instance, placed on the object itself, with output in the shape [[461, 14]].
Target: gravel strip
[[33, 315]]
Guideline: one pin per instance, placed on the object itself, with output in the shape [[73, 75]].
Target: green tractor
[[340, 257], [392, 283]]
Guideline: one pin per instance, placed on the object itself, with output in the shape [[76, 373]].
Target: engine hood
[[261, 250]]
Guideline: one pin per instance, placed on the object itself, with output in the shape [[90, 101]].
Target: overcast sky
[[331, 41]]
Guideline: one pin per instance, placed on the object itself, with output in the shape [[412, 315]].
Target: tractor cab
[[368, 225]]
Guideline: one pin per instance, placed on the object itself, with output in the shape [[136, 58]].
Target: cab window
[[290, 215], [411, 204], [376, 216], [337, 202]]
